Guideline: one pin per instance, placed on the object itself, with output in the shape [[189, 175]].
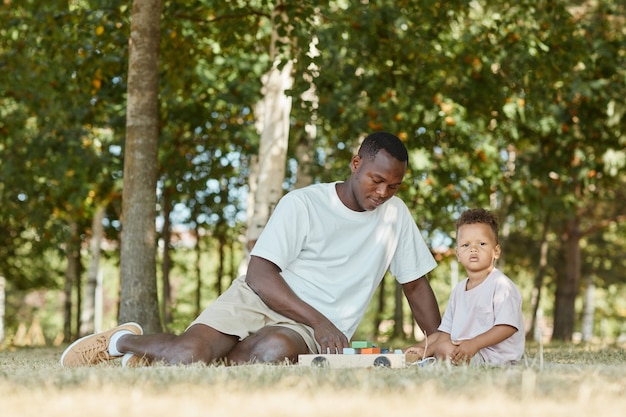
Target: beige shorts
[[240, 312]]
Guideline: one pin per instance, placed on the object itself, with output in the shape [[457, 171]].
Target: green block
[[360, 344]]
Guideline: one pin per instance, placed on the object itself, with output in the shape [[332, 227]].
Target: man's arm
[[423, 304], [265, 280]]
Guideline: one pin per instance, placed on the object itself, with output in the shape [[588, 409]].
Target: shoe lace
[[97, 351]]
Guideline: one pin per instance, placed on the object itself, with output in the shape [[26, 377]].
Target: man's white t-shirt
[[334, 258], [497, 300]]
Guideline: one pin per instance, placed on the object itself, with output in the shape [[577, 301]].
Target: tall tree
[[273, 118], [593, 109], [138, 297]]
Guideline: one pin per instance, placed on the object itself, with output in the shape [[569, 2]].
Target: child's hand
[[463, 352]]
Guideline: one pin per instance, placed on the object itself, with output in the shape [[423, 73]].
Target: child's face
[[476, 247]]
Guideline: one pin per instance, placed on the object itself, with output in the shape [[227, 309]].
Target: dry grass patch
[[571, 381]]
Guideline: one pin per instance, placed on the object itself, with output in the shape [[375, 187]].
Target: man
[[311, 275]]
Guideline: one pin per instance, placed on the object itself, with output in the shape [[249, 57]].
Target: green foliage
[[55, 145], [516, 106]]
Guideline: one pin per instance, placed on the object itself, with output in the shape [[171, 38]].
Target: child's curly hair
[[479, 215]]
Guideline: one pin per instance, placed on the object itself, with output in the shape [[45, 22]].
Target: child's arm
[[466, 349]]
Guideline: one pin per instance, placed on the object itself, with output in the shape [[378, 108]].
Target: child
[[483, 321]]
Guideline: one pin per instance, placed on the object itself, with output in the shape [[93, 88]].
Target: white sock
[[113, 342], [127, 357]]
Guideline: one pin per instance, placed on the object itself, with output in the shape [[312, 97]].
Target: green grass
[[564, 380]]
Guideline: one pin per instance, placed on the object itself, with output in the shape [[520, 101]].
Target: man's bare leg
[[199, 343], [272, 344]]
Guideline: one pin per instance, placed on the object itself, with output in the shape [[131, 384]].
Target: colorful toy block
[[361, 344]]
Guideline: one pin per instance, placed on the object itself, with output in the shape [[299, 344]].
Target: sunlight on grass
[[572, 381]]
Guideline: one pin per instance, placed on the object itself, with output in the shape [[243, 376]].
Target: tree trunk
[[2, 307], [304, 154], [568, 281], [166, 265], [78, 264], [138, 299], [98, 304], [505, 233], [398, 314], [72, 254], [250, 204], [273, 119], [454, 273], [589, 308], [87, 321], [381, 308], [538, 281], [504, 205], [231, 259], [305, 160], [273, 149], [198, 269], [221, 261]]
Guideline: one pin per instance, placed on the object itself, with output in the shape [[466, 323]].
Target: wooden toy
[[362, 354], [389, 360]]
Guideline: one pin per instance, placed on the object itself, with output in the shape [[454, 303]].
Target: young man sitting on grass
[[311, 275]]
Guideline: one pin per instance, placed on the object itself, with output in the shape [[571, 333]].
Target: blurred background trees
[[513, 106]]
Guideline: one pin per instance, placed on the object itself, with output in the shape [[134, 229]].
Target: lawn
[[564, 380]]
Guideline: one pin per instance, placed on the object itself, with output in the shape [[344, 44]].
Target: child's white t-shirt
[[497, 300], [334, 258]]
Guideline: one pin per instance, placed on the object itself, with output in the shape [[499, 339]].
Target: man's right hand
[[330, 339]]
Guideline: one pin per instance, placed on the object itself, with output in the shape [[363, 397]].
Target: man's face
[[377, 180]]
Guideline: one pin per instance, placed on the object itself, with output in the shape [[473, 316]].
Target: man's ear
[[355, 163]]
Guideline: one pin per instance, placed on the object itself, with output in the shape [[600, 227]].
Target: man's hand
[[330, 339], [415, 350], [265, 280]]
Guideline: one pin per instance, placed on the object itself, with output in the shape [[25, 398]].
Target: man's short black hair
[[374, 142]]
